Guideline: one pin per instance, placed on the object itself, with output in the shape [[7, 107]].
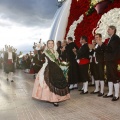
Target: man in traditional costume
[[91, 47], [9, 60], [73, 74], [83, 59], [111, 57], [98, 65]]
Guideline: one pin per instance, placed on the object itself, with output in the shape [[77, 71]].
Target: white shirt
[[94, 55], [10, 55]]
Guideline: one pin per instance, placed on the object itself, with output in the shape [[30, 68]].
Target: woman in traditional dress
[[50, 84]]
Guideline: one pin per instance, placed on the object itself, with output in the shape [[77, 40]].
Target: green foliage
[[91, 9]]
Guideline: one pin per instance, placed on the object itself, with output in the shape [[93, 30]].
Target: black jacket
[[112, 49], [100, 53], [83, 52], [69, 50]]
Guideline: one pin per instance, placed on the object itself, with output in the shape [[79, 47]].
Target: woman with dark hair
[[50, 84]]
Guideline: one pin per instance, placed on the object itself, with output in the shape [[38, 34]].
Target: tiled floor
[[16, 103]]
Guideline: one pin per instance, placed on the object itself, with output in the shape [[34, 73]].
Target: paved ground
[[16, 103]]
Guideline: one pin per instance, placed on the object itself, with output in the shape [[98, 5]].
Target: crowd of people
[[31, 63], [85, 63], [89, 63]]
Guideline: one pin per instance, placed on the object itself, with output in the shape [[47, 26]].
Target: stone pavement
[[16, 103]]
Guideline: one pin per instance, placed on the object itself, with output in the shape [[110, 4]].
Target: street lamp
[[60, 2]]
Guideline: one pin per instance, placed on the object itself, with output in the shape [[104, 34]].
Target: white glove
[[78, 61]]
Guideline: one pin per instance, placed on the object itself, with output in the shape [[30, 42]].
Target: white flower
[[112, 17], [73, 27]]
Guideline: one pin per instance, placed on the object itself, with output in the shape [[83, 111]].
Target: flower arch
[[106, 21], [74, 26], [89, 24]]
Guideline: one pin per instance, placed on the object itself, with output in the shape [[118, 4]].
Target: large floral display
[[90, 16]]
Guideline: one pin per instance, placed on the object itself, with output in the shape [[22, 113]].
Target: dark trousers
[[73, 72], [111, 71], [36, 68], [83, 72], [98, 71], [91, 68]]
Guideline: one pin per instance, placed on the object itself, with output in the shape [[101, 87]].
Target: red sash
[[84, 61], [9, 61]]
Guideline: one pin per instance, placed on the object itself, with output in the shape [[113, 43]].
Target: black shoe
[[107, 96], [80, 90], [100, 94], [7, 79], [56, 104], [94, 92], [75, 88], [115, 98], [84, 92], [12, 81], [71, 88], [91, 85]]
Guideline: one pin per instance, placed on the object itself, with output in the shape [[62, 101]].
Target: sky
[[23, 22]]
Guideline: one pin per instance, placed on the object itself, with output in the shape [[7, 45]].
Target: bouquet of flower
[[65, 67]]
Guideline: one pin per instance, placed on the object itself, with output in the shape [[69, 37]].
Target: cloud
[[29, 12], [20, 36], [23, 22]]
